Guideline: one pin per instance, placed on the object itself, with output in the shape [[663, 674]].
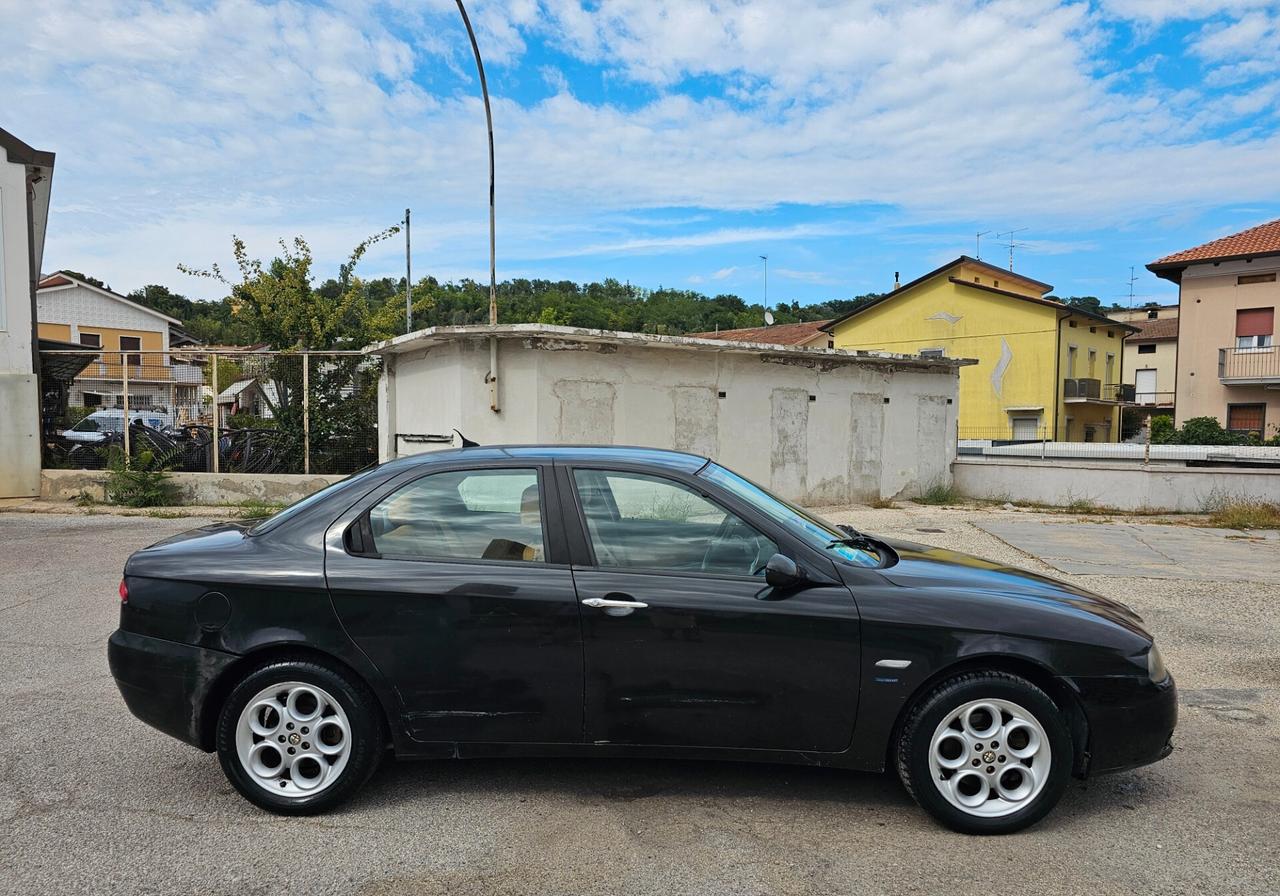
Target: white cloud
[[176, 125]]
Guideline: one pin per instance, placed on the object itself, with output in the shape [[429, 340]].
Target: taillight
[[124, 592]]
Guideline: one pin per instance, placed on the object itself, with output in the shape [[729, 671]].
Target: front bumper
[[166, 684], [1131, 721]]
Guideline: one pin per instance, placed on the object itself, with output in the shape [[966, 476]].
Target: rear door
[[456, 584], [685, 643]]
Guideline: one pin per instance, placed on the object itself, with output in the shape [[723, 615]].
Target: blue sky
[[663, 143]]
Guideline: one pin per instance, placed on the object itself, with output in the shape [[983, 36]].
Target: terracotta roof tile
[[1261, 240], [1151, 330], [778, 334]]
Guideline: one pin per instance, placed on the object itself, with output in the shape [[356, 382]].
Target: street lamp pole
[[493, 252], [765, 259], [488, 117]]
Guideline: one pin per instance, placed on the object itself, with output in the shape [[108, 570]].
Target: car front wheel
[[296, 737], [986, 753]]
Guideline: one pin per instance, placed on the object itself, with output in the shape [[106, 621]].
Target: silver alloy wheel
[[990, 758], [293, 739]]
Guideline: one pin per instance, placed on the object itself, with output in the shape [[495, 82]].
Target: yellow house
[[1045, 370], [126, 339]]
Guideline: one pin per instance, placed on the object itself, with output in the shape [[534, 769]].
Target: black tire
[[366, 736], [928, 713]]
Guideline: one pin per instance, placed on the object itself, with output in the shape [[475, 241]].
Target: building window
[[1111, 368], [1246, 418], [1254, 327], [1093, 363], [1153, 314], [1071, 323], [933, 352], [131, 344], [1147, 348], [92, 400], [1071, 361], [1246, 279], [91, 340]]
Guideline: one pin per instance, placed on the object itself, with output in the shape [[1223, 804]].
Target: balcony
[[1249, 366], [1087, 390]]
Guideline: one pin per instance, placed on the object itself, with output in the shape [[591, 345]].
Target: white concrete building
[[816, 425], [25, 180]]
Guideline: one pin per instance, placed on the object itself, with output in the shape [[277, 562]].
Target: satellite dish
[[768, 318]]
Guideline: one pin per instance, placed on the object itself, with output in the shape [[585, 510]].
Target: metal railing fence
[[201, 410]]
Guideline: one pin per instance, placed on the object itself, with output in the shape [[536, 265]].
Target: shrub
[[139, 481], [1163, 431], [883, 504]]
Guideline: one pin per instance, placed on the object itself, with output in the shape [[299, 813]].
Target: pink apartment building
[[1228, 364]]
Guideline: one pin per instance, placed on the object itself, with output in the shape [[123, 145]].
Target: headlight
[[1155, 665]]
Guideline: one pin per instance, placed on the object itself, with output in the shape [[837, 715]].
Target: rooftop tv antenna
[[977, 244], [1012, 243], [1132, 279]]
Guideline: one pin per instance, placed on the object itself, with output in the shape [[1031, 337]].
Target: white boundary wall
[[1124, 486], [818, 427]]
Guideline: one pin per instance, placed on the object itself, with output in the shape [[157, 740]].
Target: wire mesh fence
[[211, 411]]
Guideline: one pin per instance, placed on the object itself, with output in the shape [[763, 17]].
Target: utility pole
[[408, 279], [977, 244], [765, 259]]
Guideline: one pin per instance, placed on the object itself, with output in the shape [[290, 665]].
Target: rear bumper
[[166, 684], [1131, 721]]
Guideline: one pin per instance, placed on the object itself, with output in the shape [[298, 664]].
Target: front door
[[680, 648], [456, 585]]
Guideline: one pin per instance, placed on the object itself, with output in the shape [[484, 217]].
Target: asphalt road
[[93, 801]]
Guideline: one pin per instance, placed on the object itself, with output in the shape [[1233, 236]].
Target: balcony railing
[[1086, 389], [1153, 399], [1249, 365]]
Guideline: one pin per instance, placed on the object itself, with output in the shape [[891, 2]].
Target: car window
[[88, 424], [462, 515], [648, 522]]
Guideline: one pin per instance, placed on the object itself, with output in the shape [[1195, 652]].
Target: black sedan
[[623, 602]]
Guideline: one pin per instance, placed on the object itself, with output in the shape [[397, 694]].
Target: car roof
[[658, 457]]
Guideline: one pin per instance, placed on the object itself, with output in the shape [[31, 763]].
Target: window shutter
[[1255, 321]]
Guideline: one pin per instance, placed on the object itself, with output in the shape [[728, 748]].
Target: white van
[[98, 425]]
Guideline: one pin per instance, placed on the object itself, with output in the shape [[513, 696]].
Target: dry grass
[[940, 495], [883, 504], [1245, 514]]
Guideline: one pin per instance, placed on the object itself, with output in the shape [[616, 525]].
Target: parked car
[[620, 602], [97, 427]]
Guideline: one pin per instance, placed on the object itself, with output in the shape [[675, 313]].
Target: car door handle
[[607, 604]]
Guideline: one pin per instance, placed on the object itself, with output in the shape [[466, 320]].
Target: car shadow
[[606, 780]]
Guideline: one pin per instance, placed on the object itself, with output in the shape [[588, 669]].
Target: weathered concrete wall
[[1118, 484], [193, 488], [815, 430]]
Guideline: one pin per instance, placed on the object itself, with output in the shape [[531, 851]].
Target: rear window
[[309, 501]]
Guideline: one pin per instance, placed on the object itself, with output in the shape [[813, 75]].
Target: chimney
[[896, 284]]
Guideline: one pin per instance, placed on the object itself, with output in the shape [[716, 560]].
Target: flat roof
[[431, 336]]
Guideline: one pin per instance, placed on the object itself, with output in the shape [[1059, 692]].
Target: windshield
[[815, 530], [298, 506]]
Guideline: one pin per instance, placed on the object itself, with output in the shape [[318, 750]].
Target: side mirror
[[781, 572]]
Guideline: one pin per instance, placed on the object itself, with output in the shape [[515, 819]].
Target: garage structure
[[816, 425]]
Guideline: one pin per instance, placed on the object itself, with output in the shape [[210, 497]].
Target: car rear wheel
[[986, 753], [297, 737]]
